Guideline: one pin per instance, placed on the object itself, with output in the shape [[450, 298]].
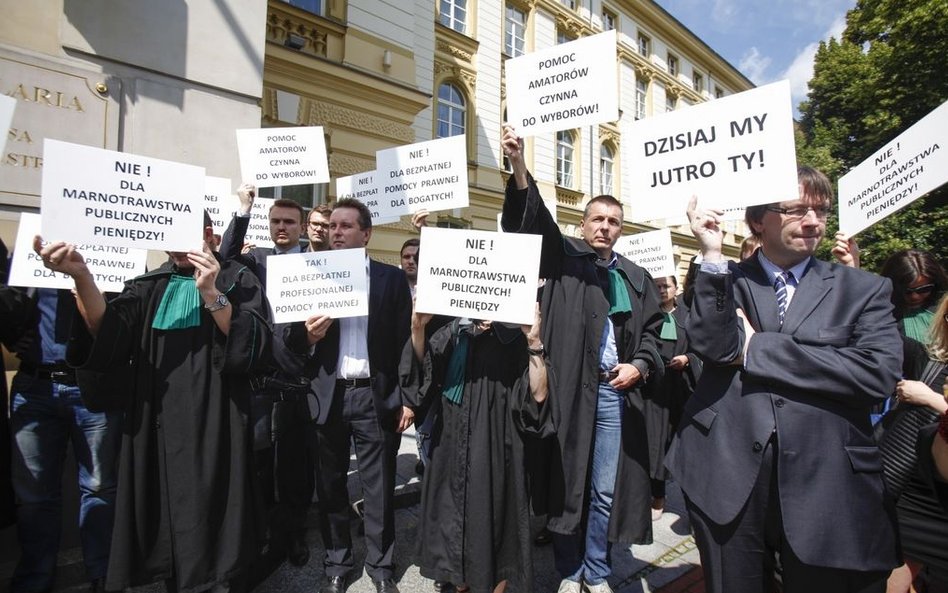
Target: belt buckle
[[63, 377]]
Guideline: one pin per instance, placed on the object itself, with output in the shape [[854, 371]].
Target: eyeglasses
[[924, 288], [800, 211]]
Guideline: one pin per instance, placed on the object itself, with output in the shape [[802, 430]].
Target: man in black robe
[[181, 342], [600, 326]]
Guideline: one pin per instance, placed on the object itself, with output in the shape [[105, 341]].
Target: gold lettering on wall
[[50, 98]]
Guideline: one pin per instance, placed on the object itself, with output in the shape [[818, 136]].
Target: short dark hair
[[603, 199], [365, 215], [287, 203], [814, 183], [413, 242], [323, 209]]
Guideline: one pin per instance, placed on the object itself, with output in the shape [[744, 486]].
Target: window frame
[[452, 17], [644, 45], [641, 98], [603, 162], [565, 159], [509, 25], [462, 107]]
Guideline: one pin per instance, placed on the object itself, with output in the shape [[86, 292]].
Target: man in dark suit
[[283, 443], [353, 364], [775, 450]]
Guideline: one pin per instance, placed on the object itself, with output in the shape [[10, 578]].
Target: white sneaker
[[568, 586], [602, 587]]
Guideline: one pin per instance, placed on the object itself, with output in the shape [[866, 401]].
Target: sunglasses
[[925, 288]]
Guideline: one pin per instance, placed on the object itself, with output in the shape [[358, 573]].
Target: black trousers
[[353, 416], [739, 557]]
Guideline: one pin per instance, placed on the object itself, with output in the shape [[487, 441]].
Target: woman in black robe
[[474, 524], [664, 396], [186, 509]]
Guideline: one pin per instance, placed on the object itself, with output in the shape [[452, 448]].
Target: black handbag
[[900, 429]]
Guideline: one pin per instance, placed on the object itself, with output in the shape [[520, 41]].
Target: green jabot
[[669, 328], [917, 325], [454, 376], [619, 301], [180, 306]]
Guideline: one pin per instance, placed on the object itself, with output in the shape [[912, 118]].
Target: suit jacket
[[811, 381], [388, 331]]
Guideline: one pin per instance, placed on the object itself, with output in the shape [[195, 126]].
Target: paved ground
[[666, 566]]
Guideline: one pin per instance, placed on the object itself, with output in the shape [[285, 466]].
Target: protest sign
[[333, 283], [651, 250], [478, 274], [110, 266], [7, 105], [218, 199], [258, 231], [564, 87], [362, 187], [899, 173], [102, 197], [731, 152], [428, 175], [271, 157]]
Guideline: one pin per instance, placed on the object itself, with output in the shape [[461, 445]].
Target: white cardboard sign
[[362, 187], [258, 231], [271, 157], [110, 266], [94, 196], [731, 152], [218, 199], [478, 274], [651, 250], [333, 283], [428, 175], [7, 105], [899, 173], [564, 87]]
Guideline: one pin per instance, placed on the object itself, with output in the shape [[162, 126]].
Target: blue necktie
[[783, 298]]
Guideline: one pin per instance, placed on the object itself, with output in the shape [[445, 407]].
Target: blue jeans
[[44, 417], [587, 558]]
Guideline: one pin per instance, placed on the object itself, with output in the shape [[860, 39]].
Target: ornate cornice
[[282, 23], [468, 77], [610, 136], [319, 113], [345, 165], [455, 51]]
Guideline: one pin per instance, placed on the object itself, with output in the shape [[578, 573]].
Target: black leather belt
[[352, 383], [56, 374], [607, 376]]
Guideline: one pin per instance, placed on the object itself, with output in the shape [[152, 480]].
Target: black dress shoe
[[297, 551], [385, 586], [334, 585]]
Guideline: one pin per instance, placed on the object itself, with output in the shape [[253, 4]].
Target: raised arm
[[63, 257]]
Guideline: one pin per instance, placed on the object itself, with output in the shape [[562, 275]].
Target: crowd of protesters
[[798, 403]]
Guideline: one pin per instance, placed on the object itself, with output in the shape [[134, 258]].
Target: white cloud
[[800, 70], [724, 11], [754, 65]]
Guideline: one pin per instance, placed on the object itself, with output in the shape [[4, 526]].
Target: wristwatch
[[217, 304]]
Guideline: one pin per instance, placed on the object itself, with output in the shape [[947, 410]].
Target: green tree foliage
[[886, 73]]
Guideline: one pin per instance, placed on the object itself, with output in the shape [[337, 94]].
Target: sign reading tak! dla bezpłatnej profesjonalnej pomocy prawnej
[[302, 285]]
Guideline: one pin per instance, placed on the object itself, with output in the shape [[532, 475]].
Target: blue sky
[[766, 40]]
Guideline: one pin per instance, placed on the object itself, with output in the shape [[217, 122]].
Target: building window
[[718, 92], [609, 20], [307, 196], [570, 4], [454, 14], [672, 65], [645, 46], [314, 6], [514, 32], [452, 111], [641, 94], [563, 37], [606, 163], [669, 102], [564, 159], [697, 81]]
